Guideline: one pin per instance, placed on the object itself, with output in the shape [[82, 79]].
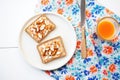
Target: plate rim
[[20, 45]]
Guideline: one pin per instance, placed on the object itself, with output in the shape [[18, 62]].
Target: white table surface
[[13, 14]]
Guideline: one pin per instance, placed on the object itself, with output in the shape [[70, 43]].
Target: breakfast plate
[[64, 29]]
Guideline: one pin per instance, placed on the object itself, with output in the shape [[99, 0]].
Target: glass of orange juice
[[107, 28]]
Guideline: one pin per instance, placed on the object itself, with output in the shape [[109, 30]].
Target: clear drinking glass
[[107, 28]]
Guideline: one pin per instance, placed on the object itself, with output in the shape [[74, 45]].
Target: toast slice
[[51, 49], [40, 28]]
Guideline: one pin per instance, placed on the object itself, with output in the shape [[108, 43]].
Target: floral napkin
[[103, 58]]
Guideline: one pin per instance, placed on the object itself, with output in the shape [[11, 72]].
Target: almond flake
[[57, 46], [42, 27], [45, 32], [49, 52], [46, 57], [58, 53], [32, 29], [40, 19], [32, 35], [43, 49], [39, 35], [47, 48], [50, 56], [52, 48], [47, 22], [37, 29]]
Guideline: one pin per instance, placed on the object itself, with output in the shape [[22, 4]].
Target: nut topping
[[50, 56], [42, 27], [46, 57], [45, 32], [41, 20], [39, 35], [43, 49], [52, 48], [47, 48], [37, 29], [33, 29], [58, 53], [47, 22], [50, 52]]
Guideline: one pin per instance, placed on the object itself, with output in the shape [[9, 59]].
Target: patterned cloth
[[103, 58]]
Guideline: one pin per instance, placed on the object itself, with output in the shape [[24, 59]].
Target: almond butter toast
[[51, 49], [40, 28]]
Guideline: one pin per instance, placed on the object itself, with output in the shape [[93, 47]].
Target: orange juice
[[106, 29]]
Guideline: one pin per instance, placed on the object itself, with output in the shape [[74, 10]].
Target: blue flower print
[[98, 66], [93, 78], [117, 60], [86, 60], [86, 72], [75, 10], [116, 17], [97, 9], [48, 8], [116, 46], [89, 23], [104, 61], [91, 3], [63, 69], [102, 41], [56, 77], [95, 36], [78, 75], [116, 76], [97, 51]]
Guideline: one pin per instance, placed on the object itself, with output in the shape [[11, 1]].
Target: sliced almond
[[47, 48], [40, 35], [52, 48], [47, 22], [57, 45], [32, 35], [46, 57], [42, 27], [45, 32], [38, 29], [33, 30], [58, 52], [41, 20], [50, 56], [43, 49], [50, 52]]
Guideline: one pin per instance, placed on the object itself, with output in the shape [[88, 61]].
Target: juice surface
[[106, 29]]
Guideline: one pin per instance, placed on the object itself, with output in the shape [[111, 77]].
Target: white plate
[[63, 28]]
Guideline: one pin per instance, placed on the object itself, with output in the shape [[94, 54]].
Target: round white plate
[[63, 28]]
